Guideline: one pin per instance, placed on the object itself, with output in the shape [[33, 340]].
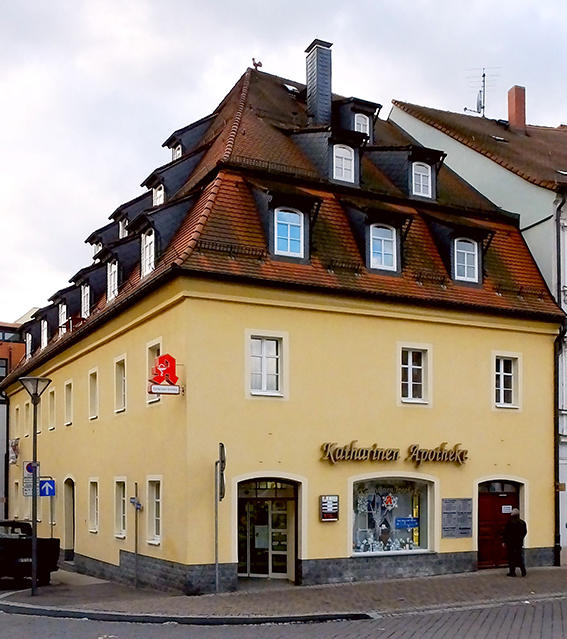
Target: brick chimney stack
[[517, 107]]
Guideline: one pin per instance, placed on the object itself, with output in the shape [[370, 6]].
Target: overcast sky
[[89, 90]]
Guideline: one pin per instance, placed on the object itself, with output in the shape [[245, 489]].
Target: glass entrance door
[[263, 538]]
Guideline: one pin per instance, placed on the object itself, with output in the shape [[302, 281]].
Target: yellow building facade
[[341, 368]]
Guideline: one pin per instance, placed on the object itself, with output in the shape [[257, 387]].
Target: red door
[[495, 501]]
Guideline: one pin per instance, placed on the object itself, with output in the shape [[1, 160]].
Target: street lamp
[[35, 387]]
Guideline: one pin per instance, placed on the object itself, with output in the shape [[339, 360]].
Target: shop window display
[[389, 515]]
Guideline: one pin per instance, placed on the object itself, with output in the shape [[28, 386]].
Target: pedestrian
[[514, 532]]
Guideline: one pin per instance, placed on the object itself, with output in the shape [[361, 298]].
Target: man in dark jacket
[[513, 536]]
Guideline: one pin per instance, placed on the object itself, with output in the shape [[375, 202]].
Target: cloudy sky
[[89, 90]]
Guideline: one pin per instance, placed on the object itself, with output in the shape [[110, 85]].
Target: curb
[[103, 615]]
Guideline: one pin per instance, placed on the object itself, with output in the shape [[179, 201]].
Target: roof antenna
[[256, 64], [480, 98]]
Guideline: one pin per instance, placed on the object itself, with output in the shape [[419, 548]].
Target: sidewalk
[[72, 594]]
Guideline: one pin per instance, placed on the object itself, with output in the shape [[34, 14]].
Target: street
[[541, 619]]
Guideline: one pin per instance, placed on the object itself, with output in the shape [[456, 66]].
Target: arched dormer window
[[44, 336], [362, 123], [85, 300], [343, 163], [289, 232], [111, 280], [176, 152], [147, 258], [383, 247], [28, 338], [62, 318], [158, 195], [466, 260], [421, 179]]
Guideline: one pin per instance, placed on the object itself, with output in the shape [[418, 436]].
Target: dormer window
[[147, 259], [362, 123], [111, 280], [97, 247], [123, 228], [158, 195], [421, 179], [383, 247], [62, 318], [343, 163], [288, 234], [28, 340], [176, 152], [43, 334], [85, 300], [466, 260]]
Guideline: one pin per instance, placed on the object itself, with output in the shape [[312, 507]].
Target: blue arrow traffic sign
[[47, 487]]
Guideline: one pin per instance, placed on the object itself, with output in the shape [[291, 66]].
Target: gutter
[[558, 350]]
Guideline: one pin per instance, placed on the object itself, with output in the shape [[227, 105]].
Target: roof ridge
[[237, 117], [201, 221]]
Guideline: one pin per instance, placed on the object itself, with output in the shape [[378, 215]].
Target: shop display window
[[390, 515]]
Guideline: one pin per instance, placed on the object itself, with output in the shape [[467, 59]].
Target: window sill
[[94, 531], [153, 542], [153, 400], [119, 535], [265, 394], [26, 435], [419, 402], [93, 417], [513, 406], [51, 428], [119, 410], [68, 424]]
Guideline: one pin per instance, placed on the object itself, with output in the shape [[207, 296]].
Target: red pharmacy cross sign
[[164, 370]]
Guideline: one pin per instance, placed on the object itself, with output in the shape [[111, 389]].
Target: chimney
[[319, 81], [517, 107]]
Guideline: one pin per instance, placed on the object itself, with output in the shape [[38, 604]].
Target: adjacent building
[[521, 168], [368, 336]]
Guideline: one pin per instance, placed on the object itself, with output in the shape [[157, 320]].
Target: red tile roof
[[536, 155]]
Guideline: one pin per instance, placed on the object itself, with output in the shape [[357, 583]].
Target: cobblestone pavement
[[72, 591], [539, 620]]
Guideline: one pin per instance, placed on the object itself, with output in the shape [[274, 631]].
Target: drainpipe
[[558, 350], [7, 461]]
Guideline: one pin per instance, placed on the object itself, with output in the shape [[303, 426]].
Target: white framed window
[[153, 351], [265, 365], [288, 232], [68, 405], [383, 247], [111, 280], [62, 318], [120, 504], [85, 300], [51, 410], [343, 163], [93, 505], [28, 340], [466, 259], [154, 519], [44, 337], [362, 123], [120, 384], [123, 228], [377, 505], [97, 246], [147, 259], [176, 152], [17, 423], [93, 393], [507, 380], [415, 372], [158, 195], [27, 419], [421, 179]]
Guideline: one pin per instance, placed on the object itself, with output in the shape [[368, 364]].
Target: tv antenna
[[481, 96]]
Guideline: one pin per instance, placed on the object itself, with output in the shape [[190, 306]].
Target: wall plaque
[[329, 507], [456, 516]]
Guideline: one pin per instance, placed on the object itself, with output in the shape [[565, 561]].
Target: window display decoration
[[389, 515]]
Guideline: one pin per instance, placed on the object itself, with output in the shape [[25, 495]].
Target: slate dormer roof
[[213, 225], [536, 154]]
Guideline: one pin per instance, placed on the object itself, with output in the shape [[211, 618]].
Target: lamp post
[[35, 387]]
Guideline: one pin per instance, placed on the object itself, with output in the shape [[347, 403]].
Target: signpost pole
[[35, 401], [217, 464], [136, 535]]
